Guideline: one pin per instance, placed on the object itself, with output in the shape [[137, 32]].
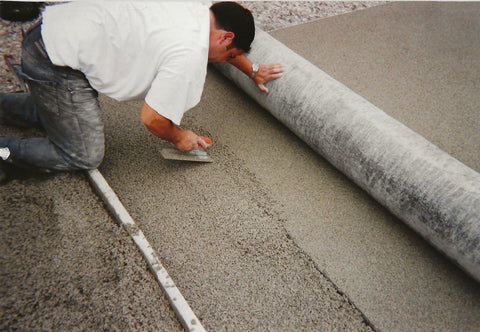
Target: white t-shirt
[[153, 50]]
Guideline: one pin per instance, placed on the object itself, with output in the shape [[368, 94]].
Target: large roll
[[432, 192]]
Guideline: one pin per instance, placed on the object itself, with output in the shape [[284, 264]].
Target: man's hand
[[185, 140], [267, 73], [188, 141]]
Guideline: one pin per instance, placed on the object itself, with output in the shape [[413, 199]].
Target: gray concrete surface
[[418, 62], [65, 265], [254, 240], [217, 232], [428, 189], [394, 277]]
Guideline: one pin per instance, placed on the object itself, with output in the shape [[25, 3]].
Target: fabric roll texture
[[432, 192]]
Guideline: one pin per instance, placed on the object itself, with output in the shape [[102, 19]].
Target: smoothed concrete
[[418, 61], [431, 191]]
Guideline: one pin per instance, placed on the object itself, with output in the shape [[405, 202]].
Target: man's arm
[[185, 140], [266, 72]]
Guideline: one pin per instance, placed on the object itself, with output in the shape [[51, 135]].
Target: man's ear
[[228, 37]]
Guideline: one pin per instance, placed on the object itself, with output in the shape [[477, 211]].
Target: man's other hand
[[266, 73]]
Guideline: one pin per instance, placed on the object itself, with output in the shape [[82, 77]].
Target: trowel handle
[[206, 140]]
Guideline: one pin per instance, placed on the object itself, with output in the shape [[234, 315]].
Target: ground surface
[[66, 264], [270, 236]]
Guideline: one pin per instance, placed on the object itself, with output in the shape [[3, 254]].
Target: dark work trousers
[[62, 102]]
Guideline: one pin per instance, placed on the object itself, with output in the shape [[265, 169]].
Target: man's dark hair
[[231, 16]]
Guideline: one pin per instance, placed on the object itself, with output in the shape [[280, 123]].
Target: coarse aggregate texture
[[273, 15], [66, 265], [218, 234], [11, 41]]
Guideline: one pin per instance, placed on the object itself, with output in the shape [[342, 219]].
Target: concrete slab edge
[[432, 192], [182, 309]]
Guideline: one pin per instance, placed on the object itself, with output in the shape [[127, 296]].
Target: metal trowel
[[199, 155]]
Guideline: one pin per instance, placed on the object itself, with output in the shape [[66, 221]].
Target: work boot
[[4, 154]]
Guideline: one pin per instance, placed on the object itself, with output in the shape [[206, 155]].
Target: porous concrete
[[389, 272], [432, 49], [217, 232], [250, 238], [66, 265]]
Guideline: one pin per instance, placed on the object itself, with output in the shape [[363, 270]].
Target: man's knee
[[89, 160], [94, 158]]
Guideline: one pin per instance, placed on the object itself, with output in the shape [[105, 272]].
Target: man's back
[[121, 46]]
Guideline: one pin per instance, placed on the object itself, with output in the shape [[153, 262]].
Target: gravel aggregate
[[274, 15]]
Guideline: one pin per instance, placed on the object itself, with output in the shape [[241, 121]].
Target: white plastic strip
[[183, 311]]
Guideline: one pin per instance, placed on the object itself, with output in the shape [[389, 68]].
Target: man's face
[[223, 54], [220, 48]]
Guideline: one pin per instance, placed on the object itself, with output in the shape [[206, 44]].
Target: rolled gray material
[[432, 192]]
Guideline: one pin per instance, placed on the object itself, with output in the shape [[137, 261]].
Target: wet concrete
[[265, 178]]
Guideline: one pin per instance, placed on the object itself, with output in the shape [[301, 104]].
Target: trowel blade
[[194, 155]]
